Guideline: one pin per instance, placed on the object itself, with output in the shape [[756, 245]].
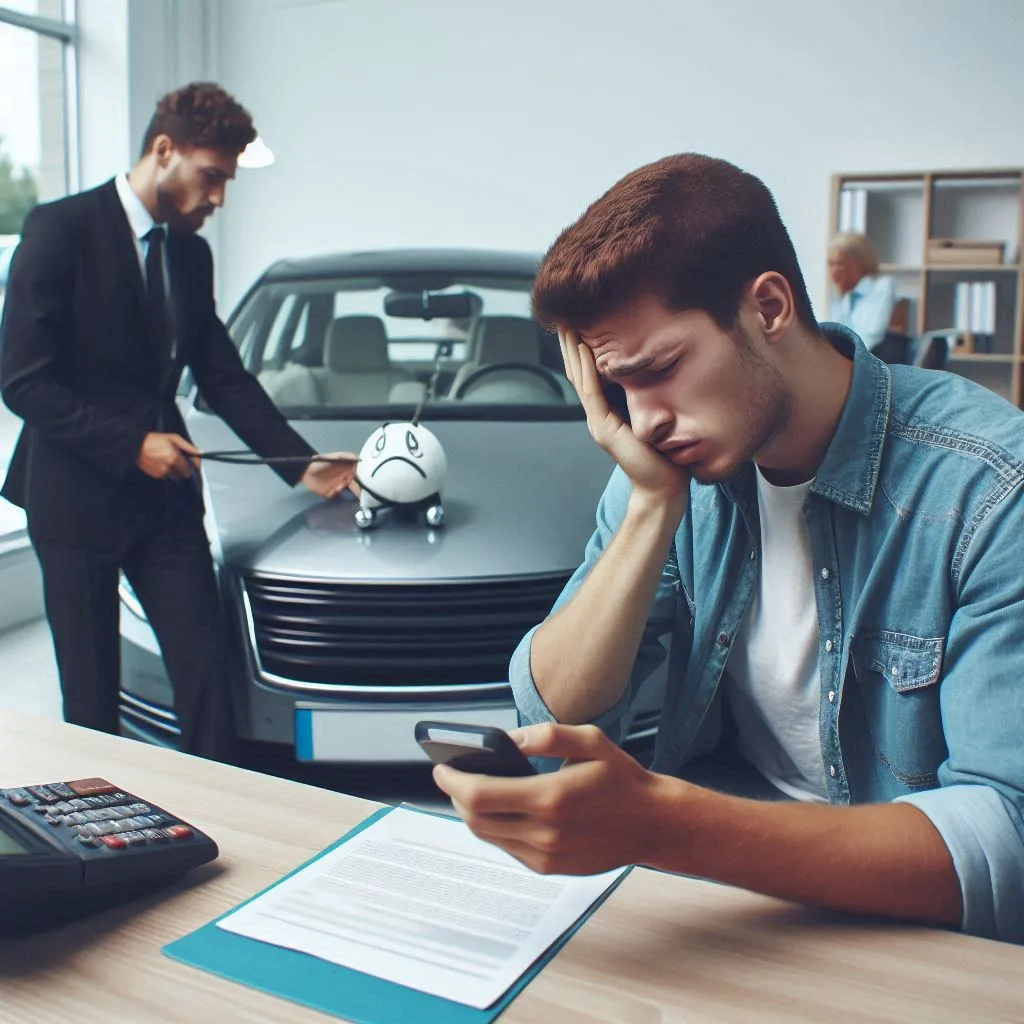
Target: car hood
[[519, 500]]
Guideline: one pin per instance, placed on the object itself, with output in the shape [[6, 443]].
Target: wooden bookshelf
[[901, 212]]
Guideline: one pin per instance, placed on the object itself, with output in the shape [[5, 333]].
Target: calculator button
[[77, 818], [41, 808], [86, 840], [91, 787], [78, 805], [114, 842], [18, 797], [154, 835], [87, 830], [43, 794], [62, 808], [61, 789], [139, 808], [134, 838], [178, 831]]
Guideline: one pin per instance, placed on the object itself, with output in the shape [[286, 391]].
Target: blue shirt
[[866, 309], [916, 521]]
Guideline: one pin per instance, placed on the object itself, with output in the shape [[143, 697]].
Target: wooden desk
[[662, 949]]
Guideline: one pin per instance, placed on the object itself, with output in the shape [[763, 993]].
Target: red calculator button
[[90, 787], [114, 842], [178, 831]]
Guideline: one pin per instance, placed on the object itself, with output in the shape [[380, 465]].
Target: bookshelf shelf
[[983, 357], [970, 268], [902, 212]]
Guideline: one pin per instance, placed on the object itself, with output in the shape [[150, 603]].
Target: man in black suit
[[110, 295]]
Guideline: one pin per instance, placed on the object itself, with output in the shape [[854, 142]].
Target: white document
[[418, 900]]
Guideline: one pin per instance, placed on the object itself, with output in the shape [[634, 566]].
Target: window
[[36, 94], [459, 344]]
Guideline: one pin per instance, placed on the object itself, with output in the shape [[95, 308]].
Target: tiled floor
[[28, 672]]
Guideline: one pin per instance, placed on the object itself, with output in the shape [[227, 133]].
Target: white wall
[[103, 141], [460, 122]]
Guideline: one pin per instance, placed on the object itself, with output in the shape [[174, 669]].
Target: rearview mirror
[[429, 305]]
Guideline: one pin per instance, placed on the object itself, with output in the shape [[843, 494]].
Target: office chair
[[931, 350]]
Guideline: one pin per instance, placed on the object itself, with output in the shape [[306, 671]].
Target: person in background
[[110, 296], [865, 299]]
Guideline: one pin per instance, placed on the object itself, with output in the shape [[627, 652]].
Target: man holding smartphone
[[829, 543]]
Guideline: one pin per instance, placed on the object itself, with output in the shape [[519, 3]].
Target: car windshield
[[458, 346]]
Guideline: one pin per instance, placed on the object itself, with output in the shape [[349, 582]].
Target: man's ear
[[162, 149], [773, 302]]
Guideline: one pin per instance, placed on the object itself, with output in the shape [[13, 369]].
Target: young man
[[832, 545], [110, 295]]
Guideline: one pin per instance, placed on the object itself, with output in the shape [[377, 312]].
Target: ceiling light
[[256, 154]]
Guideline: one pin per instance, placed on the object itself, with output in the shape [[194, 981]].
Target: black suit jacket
[[77, 365]]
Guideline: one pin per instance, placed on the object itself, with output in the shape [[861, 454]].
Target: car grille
[[394, 634]]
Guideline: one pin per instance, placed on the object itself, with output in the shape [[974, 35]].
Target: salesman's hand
[[329, 479], [167, 456], [600, 811], [651, 474]]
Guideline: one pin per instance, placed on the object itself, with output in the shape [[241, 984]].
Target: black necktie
[[160, 328]]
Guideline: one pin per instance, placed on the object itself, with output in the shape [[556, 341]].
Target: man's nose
[[651, 421]]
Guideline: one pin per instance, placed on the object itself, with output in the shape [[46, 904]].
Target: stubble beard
[[767, 405]]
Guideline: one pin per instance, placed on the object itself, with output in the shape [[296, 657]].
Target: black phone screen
[[482, 749]]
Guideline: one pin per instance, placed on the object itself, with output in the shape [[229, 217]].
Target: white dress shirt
[[867, 308], [141, 223]]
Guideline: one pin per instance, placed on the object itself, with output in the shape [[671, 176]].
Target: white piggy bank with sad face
[[401, 465]]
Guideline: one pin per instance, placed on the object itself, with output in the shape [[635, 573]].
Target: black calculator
[[68, 848]]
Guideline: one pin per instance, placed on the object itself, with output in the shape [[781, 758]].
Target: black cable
[[244, 457]]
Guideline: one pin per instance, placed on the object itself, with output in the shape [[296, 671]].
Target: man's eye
[[664, 371]]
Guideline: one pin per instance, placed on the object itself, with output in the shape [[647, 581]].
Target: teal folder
[[328, 987]]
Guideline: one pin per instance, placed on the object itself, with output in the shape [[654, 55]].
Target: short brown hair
[[201, 115], [691, 230]]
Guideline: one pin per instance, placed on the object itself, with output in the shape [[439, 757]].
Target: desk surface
[[663, 948]]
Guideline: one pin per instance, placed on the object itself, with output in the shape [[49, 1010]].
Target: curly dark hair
[[202, 115]]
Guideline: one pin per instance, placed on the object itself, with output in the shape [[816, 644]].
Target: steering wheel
[[542, 372]]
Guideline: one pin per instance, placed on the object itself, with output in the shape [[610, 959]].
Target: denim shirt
[[916, 523]]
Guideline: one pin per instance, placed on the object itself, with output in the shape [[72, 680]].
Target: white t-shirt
[[773, 680]]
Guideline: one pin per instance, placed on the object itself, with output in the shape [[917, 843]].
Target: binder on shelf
[[974, 314], [853, 210]]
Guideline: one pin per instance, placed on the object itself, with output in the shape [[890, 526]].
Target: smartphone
[[481, 749]]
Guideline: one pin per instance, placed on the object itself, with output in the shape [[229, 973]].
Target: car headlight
[[128, 598]]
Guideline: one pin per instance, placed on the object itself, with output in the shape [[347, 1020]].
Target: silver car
[[345, 637]]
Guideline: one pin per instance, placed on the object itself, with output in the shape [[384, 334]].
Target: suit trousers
[[165, 556]]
